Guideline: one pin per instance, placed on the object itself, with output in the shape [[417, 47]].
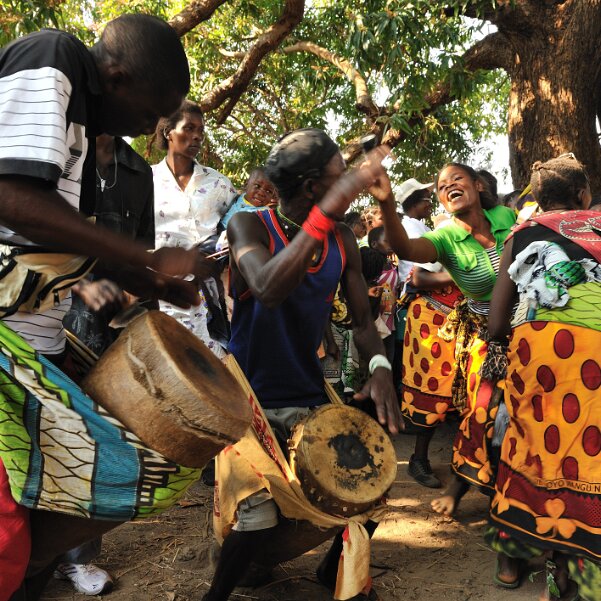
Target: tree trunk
[[555, 82]]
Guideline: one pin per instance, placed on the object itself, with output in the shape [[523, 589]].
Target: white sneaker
[[86, 577]]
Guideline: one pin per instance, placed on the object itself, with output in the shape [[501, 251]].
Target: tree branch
[[276, 101], [196, 12], [262, 118], [522, 15], [232, 88], [492, 52], [365, 103]]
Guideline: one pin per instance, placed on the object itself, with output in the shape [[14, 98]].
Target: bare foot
[[508, 571], [444, 505]]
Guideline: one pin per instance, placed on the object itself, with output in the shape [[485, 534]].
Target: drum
[[343, 459], [167, 387]]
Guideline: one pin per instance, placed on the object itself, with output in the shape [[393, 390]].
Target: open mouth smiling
[[455, 194]]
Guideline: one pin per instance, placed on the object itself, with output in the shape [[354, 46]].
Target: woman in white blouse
[[190, 200]]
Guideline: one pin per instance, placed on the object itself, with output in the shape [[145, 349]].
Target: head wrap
[[297, 156]]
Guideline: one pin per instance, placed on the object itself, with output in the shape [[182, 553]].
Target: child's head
[[372, 264], [560, 183], [377, 240], [260, 192]]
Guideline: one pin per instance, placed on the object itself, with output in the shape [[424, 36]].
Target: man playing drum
[[56, 97], [287, 264]]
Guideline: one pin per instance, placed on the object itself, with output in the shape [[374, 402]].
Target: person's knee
[[257, 512]]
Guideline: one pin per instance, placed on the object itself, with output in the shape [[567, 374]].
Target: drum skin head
[[343, 458], [168, 388]]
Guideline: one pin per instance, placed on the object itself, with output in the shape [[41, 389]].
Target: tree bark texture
[[555, 84], [196, 12], [234, 86]]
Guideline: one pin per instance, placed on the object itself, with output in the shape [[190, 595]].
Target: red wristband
[[318, 225]]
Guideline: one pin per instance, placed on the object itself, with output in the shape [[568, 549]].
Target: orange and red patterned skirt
[[548, 486], [428, 365]]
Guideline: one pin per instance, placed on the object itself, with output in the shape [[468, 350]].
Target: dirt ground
[[416, 554]]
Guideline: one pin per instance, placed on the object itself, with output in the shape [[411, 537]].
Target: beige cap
[[408, 187]]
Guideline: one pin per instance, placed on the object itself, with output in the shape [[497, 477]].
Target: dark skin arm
[[41, 214], [503, 298], [271, 279], [379, 386], [38, 212], [423, 279]]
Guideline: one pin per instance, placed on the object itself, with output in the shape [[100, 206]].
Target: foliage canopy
[[400, 48]]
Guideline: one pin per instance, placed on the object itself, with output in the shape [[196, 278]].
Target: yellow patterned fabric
[[428, 366], [548, 487], [257, 462], [471, 447]]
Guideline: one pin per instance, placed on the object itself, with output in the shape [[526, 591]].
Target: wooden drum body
[[167, 387], [343, 458]]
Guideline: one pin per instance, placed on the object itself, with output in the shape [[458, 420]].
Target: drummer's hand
[[381, 390], [206, 268], [173, 261], [145, 283], [177, 291], [100, 295]]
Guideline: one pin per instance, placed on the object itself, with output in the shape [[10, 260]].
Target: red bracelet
[[318, 225]]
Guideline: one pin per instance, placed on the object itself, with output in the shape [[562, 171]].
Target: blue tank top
[[277, 348]]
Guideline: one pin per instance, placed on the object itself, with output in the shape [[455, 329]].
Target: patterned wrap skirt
[[428, 365], [548, 488], [472, 396], [62, 452]]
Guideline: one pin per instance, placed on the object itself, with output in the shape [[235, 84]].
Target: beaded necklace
[[290, 227]]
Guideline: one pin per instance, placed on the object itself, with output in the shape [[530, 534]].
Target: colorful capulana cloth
[[64, 453], [257, 462], [585, 572], [472, 396], [543, 274], [428, 365], [548, 487]]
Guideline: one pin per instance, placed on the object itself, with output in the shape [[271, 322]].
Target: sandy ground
[[416, 554]]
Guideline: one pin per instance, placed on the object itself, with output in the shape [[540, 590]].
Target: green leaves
[[404, 49]]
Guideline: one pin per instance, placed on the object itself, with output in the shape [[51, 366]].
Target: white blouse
[[188, 217]]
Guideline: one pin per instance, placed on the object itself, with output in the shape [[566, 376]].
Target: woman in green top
[[469, 249]]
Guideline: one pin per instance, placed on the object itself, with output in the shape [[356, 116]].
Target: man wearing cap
[[415, 198], [286, 266]]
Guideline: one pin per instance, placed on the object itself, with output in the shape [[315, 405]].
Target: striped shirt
[[480, 278], [48, 84]]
